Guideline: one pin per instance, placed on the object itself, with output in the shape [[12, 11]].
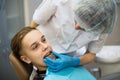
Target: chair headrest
[[22, 70]]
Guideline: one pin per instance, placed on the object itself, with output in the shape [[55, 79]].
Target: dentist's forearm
[[87, 58]]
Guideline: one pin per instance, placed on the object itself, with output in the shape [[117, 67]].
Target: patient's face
[[35, 48]]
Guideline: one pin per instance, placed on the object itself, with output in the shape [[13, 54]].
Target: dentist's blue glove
[[62, 61]]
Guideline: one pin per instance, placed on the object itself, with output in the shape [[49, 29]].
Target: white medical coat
[[56, 19]]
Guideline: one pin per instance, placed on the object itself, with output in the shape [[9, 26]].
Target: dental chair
[[22, 70], [113, 76]]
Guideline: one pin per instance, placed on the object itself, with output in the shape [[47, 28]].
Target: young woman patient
[[31, 47]]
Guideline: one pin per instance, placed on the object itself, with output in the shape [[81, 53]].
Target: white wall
[[29, 8], [114, 38]]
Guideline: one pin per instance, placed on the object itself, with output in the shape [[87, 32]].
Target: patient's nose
[[44, 46]]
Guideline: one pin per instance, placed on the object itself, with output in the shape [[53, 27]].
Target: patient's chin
[[43, 66], [50, 56]]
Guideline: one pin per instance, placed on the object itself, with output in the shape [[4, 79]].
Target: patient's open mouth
[[50, 55]]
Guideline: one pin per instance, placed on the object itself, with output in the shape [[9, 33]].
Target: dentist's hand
[[62, 61]]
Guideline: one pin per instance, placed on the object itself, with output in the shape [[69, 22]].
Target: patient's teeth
[[51, 56]]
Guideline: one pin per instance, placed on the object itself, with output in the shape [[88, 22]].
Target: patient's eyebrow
[[36, 41], [43, 36]]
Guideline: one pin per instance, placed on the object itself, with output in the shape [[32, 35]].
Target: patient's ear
[[25, 59]]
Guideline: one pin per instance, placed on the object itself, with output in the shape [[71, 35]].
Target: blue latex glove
[[61, 62]]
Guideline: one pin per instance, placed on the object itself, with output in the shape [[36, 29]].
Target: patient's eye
[[35, 46], [43, 39]]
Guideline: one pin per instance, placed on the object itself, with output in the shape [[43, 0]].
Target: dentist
[[95, 19]]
